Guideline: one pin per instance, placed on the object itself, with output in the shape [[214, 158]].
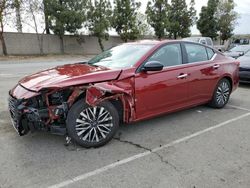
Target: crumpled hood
[[68, 75]]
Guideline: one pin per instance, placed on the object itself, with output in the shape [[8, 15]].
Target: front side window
[[168, 55], [196, 53], [122, 56]]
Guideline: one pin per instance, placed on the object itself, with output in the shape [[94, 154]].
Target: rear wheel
[[92, 126], [221, 94]]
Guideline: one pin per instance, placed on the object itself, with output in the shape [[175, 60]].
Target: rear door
[[203, 72], [162, 91]]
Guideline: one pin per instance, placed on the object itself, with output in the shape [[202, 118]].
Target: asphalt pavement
[[200, 147]]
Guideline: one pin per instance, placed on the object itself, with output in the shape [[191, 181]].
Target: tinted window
[[168, 55], [210, 53], [196, 53]]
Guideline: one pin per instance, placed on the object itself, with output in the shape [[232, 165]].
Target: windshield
[[122, 56], [240, 49]]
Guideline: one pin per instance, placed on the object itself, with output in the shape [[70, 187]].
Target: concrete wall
[[27, 44]]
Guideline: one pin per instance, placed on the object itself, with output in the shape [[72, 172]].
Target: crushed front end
[[45, 110]]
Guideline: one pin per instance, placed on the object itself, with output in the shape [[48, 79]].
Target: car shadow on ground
[[244, 85], [150, 128]]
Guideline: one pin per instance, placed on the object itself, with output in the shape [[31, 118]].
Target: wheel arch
[[229, 79], [122, 99]]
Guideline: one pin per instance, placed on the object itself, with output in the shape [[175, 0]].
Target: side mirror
[[152, 66]]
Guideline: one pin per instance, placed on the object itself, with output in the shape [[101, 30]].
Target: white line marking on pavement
[[238, 107], [140, 155]]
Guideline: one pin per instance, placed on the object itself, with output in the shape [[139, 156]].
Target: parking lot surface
[[198, 147]]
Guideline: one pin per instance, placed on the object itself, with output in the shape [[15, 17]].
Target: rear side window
[[210, 53], [196, 53]]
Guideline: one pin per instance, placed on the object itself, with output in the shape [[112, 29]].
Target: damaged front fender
[[99, 92]]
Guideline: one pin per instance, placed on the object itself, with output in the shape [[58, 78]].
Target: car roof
[[154, 42]]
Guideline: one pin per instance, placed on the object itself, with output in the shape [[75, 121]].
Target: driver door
[[162, 91]]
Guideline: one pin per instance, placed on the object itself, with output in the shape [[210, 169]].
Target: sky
[[242, 27], [242, 7]]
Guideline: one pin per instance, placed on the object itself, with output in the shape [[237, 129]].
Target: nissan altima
[[131, 82]]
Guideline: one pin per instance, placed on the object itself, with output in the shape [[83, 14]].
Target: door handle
[[216, 66], [181, 76]]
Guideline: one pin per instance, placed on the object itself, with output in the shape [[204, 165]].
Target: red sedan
[[134, 81]]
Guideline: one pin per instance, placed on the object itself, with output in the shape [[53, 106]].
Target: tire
[[221, 94], [92, 126]]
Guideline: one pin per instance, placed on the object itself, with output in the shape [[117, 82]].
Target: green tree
[[99, 19], [66, 16], [144, 28], [46, 15], [181, 18], [35, 10], [208, 22], [124, 19], [17, 5], [157, 16], [5, 7], [226, 19]]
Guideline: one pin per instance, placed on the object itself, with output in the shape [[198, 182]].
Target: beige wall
[[27, 44]]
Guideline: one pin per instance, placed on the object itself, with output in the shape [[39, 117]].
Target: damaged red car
[[131, 82]]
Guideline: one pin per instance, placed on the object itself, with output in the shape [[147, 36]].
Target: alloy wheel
[[223, 93], [94, 124]]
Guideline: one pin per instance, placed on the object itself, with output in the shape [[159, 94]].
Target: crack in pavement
[[148, 149]]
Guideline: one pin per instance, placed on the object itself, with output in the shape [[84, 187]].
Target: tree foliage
[[157, 16], [35, 9], [5, 6], [99, 19], [17, 5], [181, 18], [124, 19], [144, 28], [226, 19], [46, 16], [208, 22], [65, 16]]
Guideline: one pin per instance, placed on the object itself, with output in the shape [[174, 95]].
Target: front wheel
[[92, 126], [221, 94]]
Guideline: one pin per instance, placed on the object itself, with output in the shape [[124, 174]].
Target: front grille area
[[13, 103]]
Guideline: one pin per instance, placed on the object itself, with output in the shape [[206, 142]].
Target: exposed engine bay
[[47, 110]]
